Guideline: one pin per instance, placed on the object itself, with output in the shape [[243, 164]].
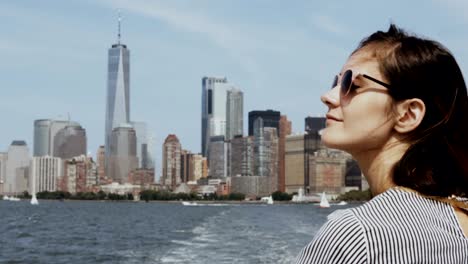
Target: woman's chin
[[329, 140]]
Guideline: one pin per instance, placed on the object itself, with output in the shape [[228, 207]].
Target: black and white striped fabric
[[394, 227]]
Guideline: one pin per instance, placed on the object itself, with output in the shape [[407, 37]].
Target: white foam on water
[[230, 237], [182, 242]]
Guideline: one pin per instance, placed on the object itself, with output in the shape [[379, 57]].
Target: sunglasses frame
[[345, 90]]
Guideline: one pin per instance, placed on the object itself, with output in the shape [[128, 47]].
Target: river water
[[138, 232]]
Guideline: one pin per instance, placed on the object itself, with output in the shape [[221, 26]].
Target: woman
[[400, 107]]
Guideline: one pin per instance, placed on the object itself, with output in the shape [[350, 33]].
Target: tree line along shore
[[150, 195]]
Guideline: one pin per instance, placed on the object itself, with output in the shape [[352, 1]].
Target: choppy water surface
[[127, 232]]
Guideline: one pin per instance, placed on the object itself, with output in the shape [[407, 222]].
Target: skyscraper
[[70, 142], [118, 90], [214, 96], [270, 118], [314, 124], [122, 158], [285, 129], [218, 151], [3, 162], [142, 144], [41, 137], [171, 161], [45, 131], [234, 113], [45, 172], [17, 158]]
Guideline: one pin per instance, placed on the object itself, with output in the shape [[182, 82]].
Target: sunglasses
[[347, 79]]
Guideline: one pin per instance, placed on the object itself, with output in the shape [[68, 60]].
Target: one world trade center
[[118, 90]]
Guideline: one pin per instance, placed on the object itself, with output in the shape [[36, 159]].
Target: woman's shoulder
[[395, 205], [340, 240]]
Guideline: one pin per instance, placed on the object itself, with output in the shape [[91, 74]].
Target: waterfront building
[[3, 163], [80, 175], [46, 171], [41, 137], [118, 93], [314, 124], [294, 163], [251, 186], [242, 156], [270, 118], [122, 158], [285, 129], [266, 152], [219, 153], [121, 189], [234, 113], [70, 142], [353, 174], [171, 161], [101, 160], [327, 171], [142, 177], [214, 100], [143, 145], [151, 162], [45, 132], [186, 166], [22, 179], [17, 157], [197, 167]]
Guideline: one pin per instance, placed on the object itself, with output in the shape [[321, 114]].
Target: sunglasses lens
[[335, 82], [346, 81]]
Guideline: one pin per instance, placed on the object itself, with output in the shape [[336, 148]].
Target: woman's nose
[[332, 97]]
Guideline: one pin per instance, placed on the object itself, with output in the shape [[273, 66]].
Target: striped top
[[394, 227]]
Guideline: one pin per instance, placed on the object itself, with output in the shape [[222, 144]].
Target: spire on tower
[[119, 20]]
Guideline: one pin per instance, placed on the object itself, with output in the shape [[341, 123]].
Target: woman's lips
[[331, 117]]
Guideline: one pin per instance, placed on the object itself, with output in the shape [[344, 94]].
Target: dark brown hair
[[436, 163]]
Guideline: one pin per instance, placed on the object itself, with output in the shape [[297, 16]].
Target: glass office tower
[[118, 90]]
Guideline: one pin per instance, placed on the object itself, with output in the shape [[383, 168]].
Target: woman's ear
[[410, 114]]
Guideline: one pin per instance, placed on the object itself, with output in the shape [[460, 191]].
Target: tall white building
[[45, 172], [17, 160], [3, 161], [222, 111], [214, 93]]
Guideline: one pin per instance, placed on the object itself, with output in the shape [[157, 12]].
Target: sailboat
[[270, 200], [267, 199], [323, 201], [34, 200]]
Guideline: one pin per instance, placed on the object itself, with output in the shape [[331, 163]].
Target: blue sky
[[282, 54]]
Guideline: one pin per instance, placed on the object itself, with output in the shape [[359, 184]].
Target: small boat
[[189, 203], [324, 202], [342, 203], [34, 200], [14, 199], [267, 199], [6, 198]]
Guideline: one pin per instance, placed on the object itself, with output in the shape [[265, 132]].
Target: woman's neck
[[377, 165]]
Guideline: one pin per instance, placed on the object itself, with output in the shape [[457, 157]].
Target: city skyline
[[281, 57]]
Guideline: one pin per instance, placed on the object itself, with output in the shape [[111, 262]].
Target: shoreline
[[198, 202]]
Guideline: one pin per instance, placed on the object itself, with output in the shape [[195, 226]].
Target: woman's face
[[361, 120]]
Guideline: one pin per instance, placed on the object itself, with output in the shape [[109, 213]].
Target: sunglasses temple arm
[[377, 81]]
